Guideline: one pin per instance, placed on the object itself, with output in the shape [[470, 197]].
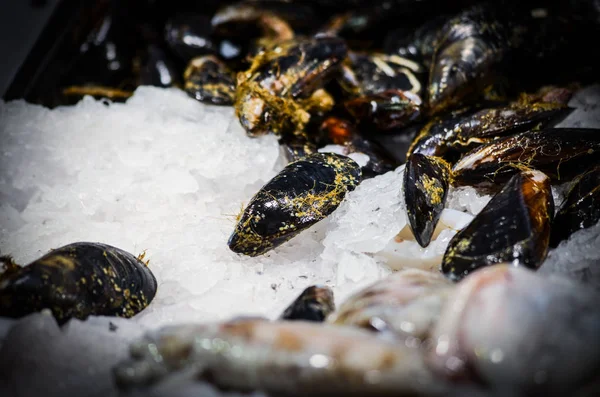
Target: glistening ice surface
[[167, 175]]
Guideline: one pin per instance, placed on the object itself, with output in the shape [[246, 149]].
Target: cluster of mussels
[[477, 92]]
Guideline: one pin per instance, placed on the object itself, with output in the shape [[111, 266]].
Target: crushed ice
[[167, 175]]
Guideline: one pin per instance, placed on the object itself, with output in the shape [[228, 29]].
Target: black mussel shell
[[189, 36], [426, 183], [513, 227], [207, 79], [386, 110], [79, 280]]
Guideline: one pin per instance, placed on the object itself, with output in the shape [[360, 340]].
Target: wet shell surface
[[293, 358], [78, 280], [426, 183], [303, 193], [513, 227]]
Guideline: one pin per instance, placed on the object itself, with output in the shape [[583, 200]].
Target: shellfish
[[303, 193]]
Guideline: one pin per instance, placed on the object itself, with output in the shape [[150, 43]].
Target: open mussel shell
[[79, 280], [426, 183], [581, 208], [553, 151], [315, 303], [303, 193], [513, 227]]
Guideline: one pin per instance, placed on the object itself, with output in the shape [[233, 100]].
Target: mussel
[[513, 227], [315, 303], [78, 280], [303, 193]]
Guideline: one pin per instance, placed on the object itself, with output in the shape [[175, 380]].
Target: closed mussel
[[78, 280], [406, 304], [559, 152], [386, 110], [471, 48], [303, 193], [315, 303], [426, 183], [513, 227]]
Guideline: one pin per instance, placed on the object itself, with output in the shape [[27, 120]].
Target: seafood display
[[76, 281], [468, 95]]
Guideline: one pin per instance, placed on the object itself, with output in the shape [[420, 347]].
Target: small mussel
[[406, 304], [559, 152], [386, 110], [513, 227], [315, 303], [581, 208], [471, 48], [250, 20], [426, 183], [207, 79], [276, 92], [78, 280], [303, 193], [157, 69]]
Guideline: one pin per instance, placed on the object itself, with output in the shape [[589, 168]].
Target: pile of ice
[[167, 175]]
